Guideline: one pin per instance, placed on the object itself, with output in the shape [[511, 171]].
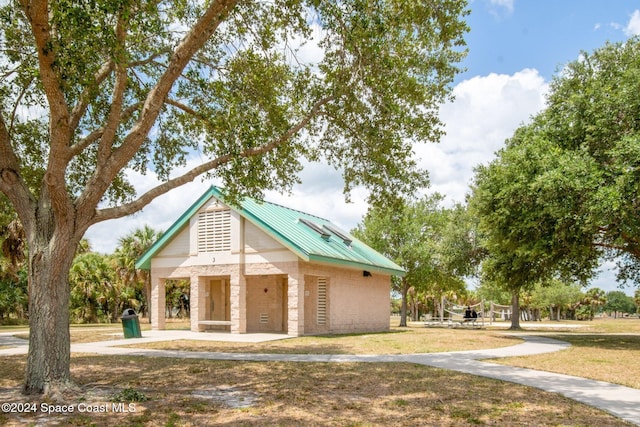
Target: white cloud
[[485, 112], [633, 27], [307, 50], [507, 4], [605, 279], [500, 8]]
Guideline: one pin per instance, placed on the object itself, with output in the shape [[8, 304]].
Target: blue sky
[[515, 48], [510, 35]]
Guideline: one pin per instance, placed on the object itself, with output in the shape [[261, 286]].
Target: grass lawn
[[201, 392], [204, 392], [606, 350], [396, 341]]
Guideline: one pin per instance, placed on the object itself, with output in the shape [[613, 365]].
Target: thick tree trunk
[[515, 310], [48, 358]]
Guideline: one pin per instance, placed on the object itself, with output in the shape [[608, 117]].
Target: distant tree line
[[553, 301]]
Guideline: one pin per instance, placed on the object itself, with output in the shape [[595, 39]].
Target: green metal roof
[[310, 237]]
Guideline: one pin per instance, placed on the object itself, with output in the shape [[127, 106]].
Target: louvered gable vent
[[214, 231]]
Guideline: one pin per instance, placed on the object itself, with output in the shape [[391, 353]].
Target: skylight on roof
[[315, 228], [345, 238]]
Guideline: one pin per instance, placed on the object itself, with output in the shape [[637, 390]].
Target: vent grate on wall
[[264, 317], [321, 312]]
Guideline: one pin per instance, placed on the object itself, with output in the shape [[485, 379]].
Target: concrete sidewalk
[[19, 346], [623, 402]]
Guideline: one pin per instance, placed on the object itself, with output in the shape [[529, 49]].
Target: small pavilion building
[[261, 267]]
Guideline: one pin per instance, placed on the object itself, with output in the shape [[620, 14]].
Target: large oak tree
[[90, 90], [564, 192]]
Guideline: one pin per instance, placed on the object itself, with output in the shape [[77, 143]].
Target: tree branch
[[113, 121], [11, 182], [97, 134], [184, 108], [202, 30], [81, 107], [149, 196], [17, 104], [37, 12], [630, 248], [193, 41]]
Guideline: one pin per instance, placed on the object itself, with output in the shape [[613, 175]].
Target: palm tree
[[83, 247], [595, 297], [96, 292], [417, 300], [86, 281], [131, 247]]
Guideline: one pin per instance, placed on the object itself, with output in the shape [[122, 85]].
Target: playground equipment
[[452, 315]]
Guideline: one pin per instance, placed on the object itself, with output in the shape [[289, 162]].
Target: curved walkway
[[623, 402]]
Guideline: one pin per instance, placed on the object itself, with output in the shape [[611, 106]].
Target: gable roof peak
[[310, 237]]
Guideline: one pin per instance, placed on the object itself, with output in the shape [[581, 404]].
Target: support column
[[158, 302], [197, 300], [238, 297], [295, 299]]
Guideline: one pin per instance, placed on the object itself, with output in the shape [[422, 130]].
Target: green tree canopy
[[92, 280], [619, 302], [94, 90], [593, 121], [563, 193], [413, 234]]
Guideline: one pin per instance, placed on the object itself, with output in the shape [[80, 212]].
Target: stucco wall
[[355, 303], [178, 246]]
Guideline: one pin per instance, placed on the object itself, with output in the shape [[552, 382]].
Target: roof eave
[[144, 262], [358, 265]]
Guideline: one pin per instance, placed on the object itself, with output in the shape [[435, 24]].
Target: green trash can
[[131, 324]]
